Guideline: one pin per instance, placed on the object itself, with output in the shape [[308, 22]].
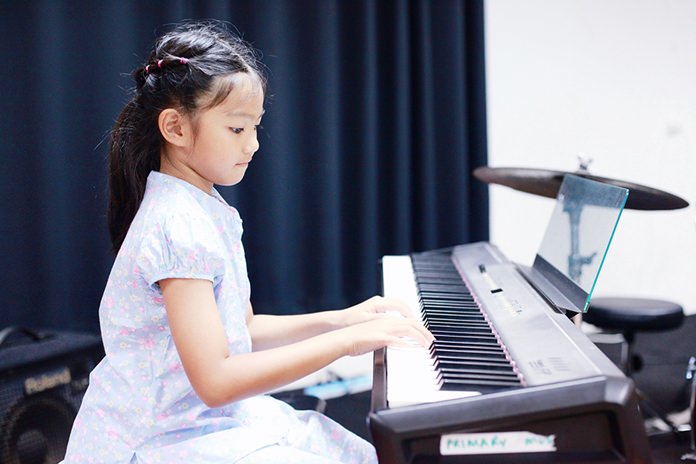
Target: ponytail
[[134, 152], [182, 67]]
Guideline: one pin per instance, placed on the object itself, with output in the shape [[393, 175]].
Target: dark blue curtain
[[375, 121]]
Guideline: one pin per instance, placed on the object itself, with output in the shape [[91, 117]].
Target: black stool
[[629, 316]]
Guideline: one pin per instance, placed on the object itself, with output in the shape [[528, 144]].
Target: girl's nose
[[253, 144]]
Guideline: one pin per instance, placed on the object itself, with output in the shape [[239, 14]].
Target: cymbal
[[546, 183]]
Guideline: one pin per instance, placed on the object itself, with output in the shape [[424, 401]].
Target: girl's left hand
[[374, 308]]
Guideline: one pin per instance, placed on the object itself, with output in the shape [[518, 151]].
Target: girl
[[187, 361]]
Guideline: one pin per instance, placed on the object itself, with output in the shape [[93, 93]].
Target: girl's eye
[[237, 130]]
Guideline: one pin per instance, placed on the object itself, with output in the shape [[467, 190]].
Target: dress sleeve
[[184, 247]]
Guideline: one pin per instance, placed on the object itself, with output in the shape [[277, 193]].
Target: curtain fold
[[375, 120]]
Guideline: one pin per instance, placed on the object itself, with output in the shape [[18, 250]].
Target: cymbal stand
[[575, 259], [691, 377]]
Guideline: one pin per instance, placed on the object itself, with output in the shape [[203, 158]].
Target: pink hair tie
[[147, 69], [159, 63], [183, 60]]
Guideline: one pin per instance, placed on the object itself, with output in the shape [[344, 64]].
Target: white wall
[[611, 80]]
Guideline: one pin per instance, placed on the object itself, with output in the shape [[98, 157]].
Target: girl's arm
[[269, 331], [219, 377]]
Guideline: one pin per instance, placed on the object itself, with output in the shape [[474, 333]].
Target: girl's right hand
[[385, 330]]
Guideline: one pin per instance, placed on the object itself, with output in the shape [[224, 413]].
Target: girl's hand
[[374, 308], [384, 330]]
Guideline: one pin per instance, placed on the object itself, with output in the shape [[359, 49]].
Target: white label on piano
[[496, 443]]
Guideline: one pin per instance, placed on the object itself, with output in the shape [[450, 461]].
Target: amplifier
[[43, 377]]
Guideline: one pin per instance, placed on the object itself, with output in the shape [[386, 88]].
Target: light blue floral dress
[[140, 406]]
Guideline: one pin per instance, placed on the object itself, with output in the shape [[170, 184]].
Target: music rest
[[545, 182]]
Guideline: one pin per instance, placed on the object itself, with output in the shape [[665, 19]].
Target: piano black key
[[451, 301], [445, 291], [435, 309], [451, 331], [474, 322], [432, 278], [472, 357], [473, 375], [454, 298], [474, 371], [449, 307], [461, 328], [465, 384], [472, 319], [481, 345], [452, 365], [445, 303], [462, 319], [469, 313], [457, 338], [453, 310], [466, 353], [467, 381]]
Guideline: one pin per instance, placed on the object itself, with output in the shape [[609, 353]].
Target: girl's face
[[225, 137]]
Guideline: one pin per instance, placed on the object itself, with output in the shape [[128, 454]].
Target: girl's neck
[[184, 173]]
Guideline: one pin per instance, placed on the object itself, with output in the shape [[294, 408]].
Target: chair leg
[[627, 354], [691, 377]]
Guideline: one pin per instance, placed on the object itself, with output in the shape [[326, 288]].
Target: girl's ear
[[174, 127]]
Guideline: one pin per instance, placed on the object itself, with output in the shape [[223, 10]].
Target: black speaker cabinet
[[43, 377]]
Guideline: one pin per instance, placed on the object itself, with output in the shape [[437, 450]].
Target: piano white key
[[399, 281], [411, 378]]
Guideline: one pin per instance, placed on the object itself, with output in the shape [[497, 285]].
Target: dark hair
[[183, 66]]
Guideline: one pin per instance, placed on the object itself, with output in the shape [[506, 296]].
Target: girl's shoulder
[[173, 208], [175, 212], [176, 232]]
